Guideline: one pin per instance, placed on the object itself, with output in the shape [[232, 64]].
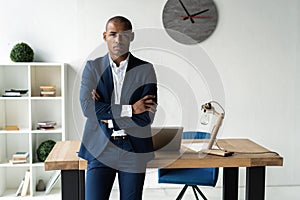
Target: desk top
[[247, 154]]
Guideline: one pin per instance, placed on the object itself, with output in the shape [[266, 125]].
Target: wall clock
[[190, 21]]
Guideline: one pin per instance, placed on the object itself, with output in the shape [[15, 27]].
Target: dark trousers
[[118, 158]]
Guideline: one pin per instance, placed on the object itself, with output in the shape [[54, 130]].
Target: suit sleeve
[[88, 82], [99, 111]]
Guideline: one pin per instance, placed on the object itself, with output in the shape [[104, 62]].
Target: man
[[118, 97]]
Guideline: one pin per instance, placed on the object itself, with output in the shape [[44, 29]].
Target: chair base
[[195, 190]]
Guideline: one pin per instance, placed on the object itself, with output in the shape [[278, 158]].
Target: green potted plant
[[22, 52], [44, 149]]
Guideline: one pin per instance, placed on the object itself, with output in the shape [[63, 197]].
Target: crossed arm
[[142, 110], [145, 104], [95, 108]]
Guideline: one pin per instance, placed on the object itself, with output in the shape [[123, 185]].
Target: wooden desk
[[249, 154]]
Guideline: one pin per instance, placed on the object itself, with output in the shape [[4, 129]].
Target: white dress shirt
[[118, 74]]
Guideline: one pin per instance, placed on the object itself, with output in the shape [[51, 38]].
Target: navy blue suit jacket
[[140, 80]]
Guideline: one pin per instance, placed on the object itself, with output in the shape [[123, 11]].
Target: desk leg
[[230, 183], [73, 184], [255, 183]]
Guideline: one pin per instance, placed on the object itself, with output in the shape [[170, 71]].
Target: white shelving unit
[[25, 112]]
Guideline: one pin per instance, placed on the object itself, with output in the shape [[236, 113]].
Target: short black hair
[[121, 19]]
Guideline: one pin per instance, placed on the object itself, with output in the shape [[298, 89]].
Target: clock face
[[190, 21]]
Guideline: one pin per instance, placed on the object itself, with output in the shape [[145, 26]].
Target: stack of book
[[19, 158], [15, 92], [47, 91], [46, 125]]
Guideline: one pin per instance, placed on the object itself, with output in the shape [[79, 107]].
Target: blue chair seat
[[199, 176]]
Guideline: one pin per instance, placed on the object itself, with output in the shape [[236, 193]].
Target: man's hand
[[146, 103], [95, 95]]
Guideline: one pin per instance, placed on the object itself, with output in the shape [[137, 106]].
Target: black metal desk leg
[[230, 183], [73, 184], [255, 183]]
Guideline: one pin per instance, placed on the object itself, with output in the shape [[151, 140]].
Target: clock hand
[[194, 15], [192, 20]]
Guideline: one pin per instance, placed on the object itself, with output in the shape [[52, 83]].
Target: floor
[[272, 193]]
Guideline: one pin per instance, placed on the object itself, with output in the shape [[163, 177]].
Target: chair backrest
[[195, 135], [202, 135]]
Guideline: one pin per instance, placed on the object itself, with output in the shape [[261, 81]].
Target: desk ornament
[[208, 108]]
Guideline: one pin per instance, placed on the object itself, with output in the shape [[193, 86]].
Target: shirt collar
[[123, 64]]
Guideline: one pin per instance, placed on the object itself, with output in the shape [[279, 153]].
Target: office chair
[[190, 176]]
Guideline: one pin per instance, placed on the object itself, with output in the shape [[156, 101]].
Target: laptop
[[167, 138]]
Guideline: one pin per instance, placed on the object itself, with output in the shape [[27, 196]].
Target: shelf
[[46, 98], [26, 131], [45, 75], [14, 98], [40, 174], [38, 164], [37, 139], [13, 76], [25, 112], [11, 193], [10, 144], [14, 165], [57, 130], [14, 112], [54, 194], [11, 178], [10, 63], [21, 131], [32, 98]]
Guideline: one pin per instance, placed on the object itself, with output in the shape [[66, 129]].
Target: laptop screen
[[167, 138]]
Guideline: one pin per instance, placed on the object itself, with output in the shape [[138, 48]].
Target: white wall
[[254, 49]]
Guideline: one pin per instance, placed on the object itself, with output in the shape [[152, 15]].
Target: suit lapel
[[108, 84], [128, 81], [107, 78], [131, 63]]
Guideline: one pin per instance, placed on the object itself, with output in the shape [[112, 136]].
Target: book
[[17, 161], [20, 188], [21, 91], [46, 128], [52, 181], [12, 128], [25, 188], [46, 123], [11, 94], [19, 158], [47, 88], [20, 154], [47, 94]]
